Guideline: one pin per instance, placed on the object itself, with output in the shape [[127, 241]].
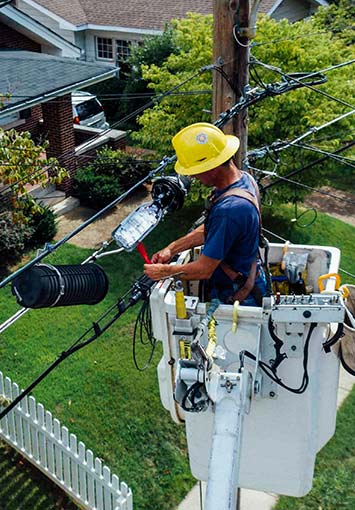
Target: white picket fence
[[42, 440]]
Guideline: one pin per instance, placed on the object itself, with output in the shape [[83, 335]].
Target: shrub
[[111, 173], [121, 166], [94, 190], [13, 238], [43, 225]]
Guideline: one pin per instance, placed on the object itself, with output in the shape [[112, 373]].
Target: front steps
[[54, 198]]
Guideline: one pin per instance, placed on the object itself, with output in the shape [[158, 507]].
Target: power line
[[301, 36], [254, 60], [309, 165], [132, 95], [153, 102], [310, 188], [127, 117], [341, 159]]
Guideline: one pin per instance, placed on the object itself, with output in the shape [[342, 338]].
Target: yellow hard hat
[[201, 147]]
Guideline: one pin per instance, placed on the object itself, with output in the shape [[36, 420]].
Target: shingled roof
[[123, 13], [266, 5], [34, 78], [133, 13]]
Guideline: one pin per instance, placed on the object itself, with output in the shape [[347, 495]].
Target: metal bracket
[[248, 32]]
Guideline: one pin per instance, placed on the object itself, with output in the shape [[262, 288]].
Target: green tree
[[192, 37], [339, 17], [302, 46], [155, 50], [125, 91], [22, 164]]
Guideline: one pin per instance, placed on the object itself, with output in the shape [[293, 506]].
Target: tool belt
[[246, 284]]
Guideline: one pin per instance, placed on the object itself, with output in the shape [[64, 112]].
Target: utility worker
[[230, 234]]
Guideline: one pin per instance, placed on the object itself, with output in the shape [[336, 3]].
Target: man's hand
[[200, 269], [162, 257], [157, 271]]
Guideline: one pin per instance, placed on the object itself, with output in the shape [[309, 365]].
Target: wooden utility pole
[[232, 33]]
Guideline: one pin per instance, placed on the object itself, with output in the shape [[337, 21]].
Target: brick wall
[[11, 39], [58, 130], [32, 124]]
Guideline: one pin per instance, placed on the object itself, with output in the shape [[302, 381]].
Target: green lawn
[[97, 393], [114, 408]]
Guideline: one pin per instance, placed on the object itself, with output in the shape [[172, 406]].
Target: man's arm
[[194, 238], [200, 269]]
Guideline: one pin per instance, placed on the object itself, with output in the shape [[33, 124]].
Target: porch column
[[59, 131]]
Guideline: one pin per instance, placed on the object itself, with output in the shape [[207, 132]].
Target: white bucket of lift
[[347, 344]]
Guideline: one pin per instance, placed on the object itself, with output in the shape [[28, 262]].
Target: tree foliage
[[23, 164], [339, 18], [192, 38], [306, 46], [155, 50], [130, 90]]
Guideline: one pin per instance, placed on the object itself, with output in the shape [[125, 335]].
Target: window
[[104, 48], [88, 109], [123, 50]]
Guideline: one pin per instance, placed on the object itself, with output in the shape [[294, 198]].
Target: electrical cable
[[222, 119], [344, 161], [139, 290], [332, 341], [271, 370], [306, 167], [143, 330], [271, 90], [248, 45], [129, 116], [220, 70], [298, 217], [301, 36], [329, 96], [310, 188], [282, 145], [129, 96], [188, 402], [50, 248], [347, 272]]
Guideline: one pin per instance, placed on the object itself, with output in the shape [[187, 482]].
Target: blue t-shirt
[[232, 230]]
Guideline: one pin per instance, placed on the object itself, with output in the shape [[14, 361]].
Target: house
[[64, 45], [39, 70], [106, 30]]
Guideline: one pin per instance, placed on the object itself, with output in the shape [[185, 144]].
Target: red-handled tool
[[143, 253]]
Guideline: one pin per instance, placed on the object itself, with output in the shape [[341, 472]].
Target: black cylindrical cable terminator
[[45, 285]]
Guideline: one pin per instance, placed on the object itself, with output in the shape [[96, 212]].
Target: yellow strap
[[326, 277], [212, 337], [235, 316], [345, 291]]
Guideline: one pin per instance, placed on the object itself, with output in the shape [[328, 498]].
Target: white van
[[87, 110]]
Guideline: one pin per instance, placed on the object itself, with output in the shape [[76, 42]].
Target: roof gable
[[34, 78], [30, 27]]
